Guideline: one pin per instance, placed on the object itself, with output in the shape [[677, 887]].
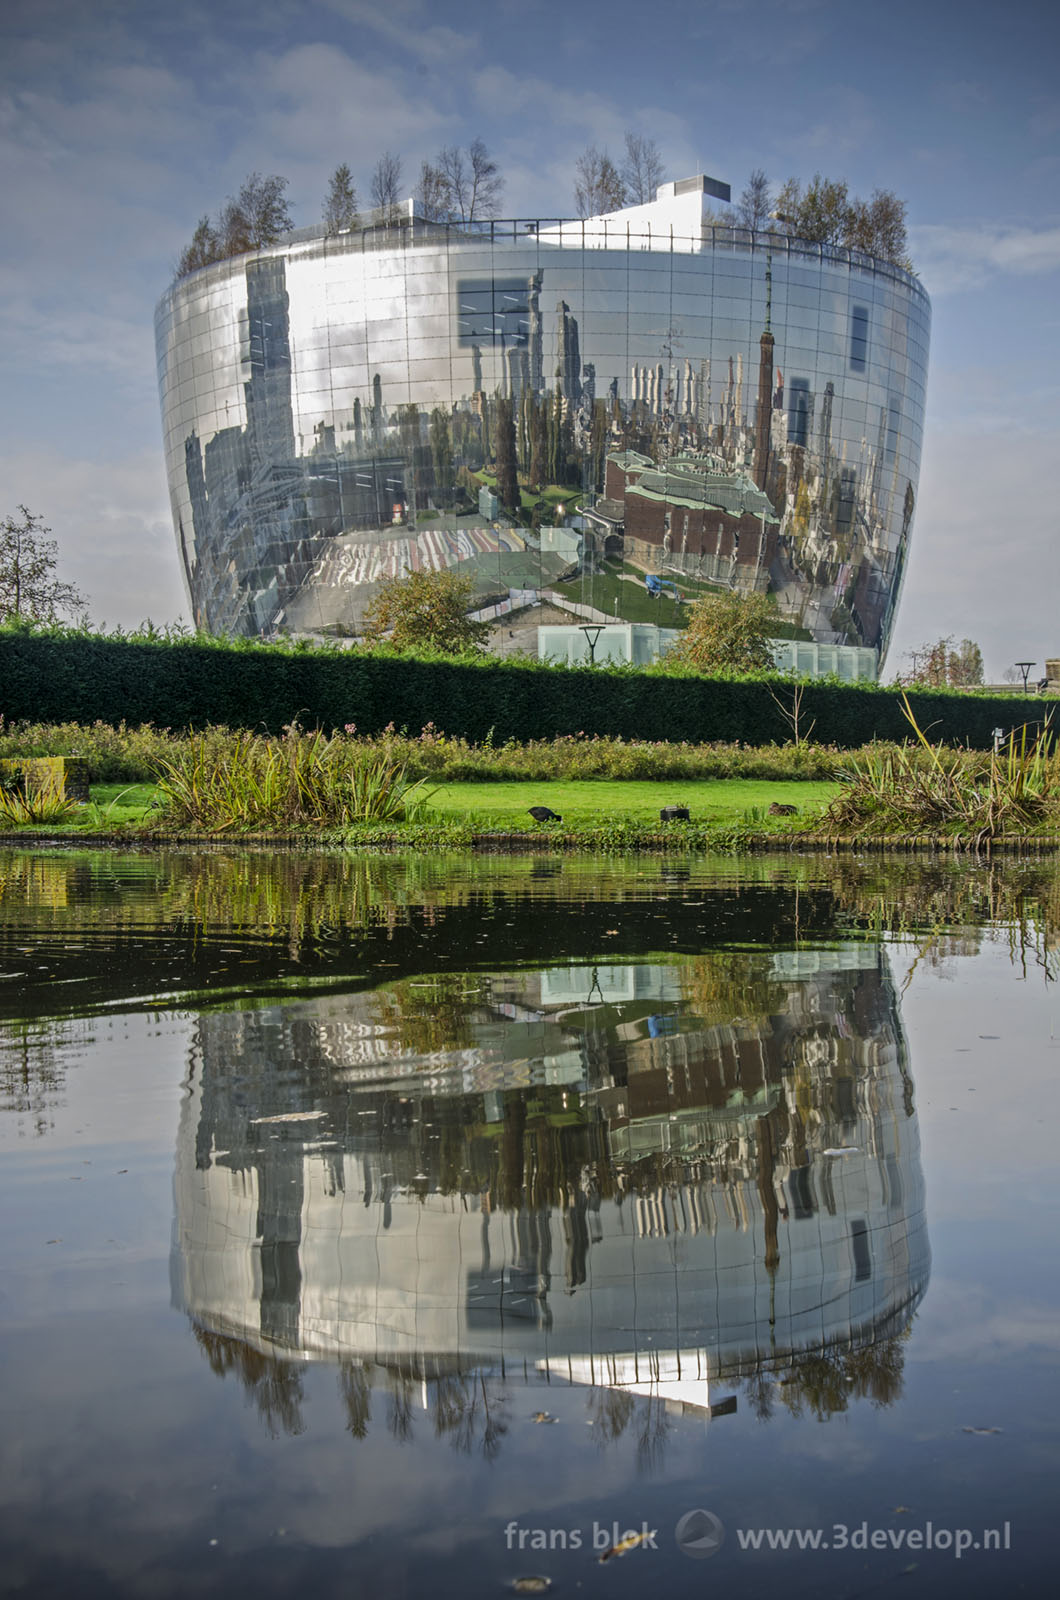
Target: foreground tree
[[966, 663], [340, 203], [727, 632], [28, 559], [426, 610], [941, 663], [598, 185], [642, 169]]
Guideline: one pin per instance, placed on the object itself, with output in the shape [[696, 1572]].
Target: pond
[[476, 1226]]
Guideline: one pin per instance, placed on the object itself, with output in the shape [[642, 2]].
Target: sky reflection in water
[[518, 1196]]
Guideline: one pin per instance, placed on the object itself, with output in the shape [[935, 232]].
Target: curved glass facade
[[747, 409], [676, 1199]]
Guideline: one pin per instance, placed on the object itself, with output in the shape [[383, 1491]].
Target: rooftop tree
[[642, 169], [340, 202], [386, 185], [204, 249], [257, 216], [825, 213], [598, 184], [755, 205]]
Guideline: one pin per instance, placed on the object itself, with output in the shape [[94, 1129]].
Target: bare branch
[[598, 187], [28, 558], [386, 185], [642, 170]]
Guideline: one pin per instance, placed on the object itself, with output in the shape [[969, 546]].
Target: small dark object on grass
[[777, 810], [543, 814], [674, 814]]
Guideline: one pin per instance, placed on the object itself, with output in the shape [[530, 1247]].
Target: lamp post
[[592, 632], [1024, 667]]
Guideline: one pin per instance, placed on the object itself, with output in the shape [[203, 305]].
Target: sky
[[123, 121]]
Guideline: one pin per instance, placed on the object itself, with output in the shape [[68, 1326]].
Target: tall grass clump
[[18, 807], [895, 790], [222, 781]]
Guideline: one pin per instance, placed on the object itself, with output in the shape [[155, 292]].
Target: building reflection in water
[[677, 1180]]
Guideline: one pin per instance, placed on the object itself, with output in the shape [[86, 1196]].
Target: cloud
[[409, 24], [113, 527], [540, 179], [321, 107], [964, 1322], [951, 259], [850, 127]]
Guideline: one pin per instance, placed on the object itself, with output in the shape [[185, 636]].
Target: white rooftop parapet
[[672, 221]]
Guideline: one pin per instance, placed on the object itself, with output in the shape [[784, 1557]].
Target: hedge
[[60, 676]]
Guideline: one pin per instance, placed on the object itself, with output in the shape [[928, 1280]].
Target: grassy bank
[[607, 793]]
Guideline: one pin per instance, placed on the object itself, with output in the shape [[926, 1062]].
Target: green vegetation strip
[[591, 802]]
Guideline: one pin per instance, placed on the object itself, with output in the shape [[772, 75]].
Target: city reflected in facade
[[675, 1180], [738, 409]]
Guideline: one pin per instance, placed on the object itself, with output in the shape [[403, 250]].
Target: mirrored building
[[738, 409], [602, 1173]]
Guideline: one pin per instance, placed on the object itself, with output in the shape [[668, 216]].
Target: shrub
[[58, 676]]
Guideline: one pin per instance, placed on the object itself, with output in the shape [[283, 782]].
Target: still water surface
[[427, 1226]]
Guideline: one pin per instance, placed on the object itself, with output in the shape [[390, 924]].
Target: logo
[[699, 1534]]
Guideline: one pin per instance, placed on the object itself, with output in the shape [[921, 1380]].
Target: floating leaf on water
[[534, 1584], [980, 1430], [624, 1546], [542, 1416]]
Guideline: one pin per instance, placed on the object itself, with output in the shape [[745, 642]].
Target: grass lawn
[[613, 582], [635, 604], [728, 800], [504, 807], [113, 804]]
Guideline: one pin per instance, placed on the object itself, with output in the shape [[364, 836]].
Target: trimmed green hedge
[[57, 676]]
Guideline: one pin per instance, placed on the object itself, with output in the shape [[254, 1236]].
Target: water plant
[[888, 790], [305, 779], [21, 807]]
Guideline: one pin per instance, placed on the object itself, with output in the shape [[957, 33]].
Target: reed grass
[[244, 781], [45, 806], [899, 789]]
